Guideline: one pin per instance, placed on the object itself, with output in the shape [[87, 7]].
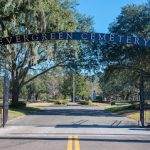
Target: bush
[[61, 102], [117, 108], [88, 102], [122, 108], [20, 104], [99, 98], [134, 107]]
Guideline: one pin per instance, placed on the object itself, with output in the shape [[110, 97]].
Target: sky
[[104, 11]]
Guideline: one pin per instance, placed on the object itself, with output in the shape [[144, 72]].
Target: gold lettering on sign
[[146, 41], [84, 36], [92, 36], [9, 39], [60, 36], [52, 36], [35, 37], [69, 36], [18, 40], [25, 37], [44, 37], [102, 36], [129, 40]]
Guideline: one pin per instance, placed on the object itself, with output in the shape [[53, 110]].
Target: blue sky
[[104, 11]]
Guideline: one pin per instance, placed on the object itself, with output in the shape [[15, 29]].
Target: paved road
[[74, 128]]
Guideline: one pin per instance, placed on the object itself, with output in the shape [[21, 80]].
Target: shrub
[[20, 104], [134, 107], [61, 102], [122, 108], [99, 98], [88, 102]]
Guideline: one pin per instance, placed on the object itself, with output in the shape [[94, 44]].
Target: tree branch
[[43, 72]]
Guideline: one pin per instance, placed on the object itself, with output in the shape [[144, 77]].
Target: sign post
[[5, 96], [142, 100]]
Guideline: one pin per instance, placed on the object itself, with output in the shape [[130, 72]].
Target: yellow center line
[[69, 146], [77, 144]]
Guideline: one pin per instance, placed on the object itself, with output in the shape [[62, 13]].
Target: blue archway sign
[[75, 36]]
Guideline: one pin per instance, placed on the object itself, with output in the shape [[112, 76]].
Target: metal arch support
[[142, 99]]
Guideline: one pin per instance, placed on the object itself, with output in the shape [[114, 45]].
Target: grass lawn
[[136, 115], [118, 109], [100, 104], [18, 112], [37, 105], [1, 102], [15, 114], [0, 113], [130, 111]]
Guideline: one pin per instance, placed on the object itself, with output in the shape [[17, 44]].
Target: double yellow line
[[76, 143]]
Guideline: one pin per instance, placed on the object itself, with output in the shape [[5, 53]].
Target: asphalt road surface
[[74, 128]]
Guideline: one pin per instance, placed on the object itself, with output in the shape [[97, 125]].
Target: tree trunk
[[36, 96], [15, 92]]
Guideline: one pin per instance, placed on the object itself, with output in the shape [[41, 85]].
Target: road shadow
[[37, 120], [112, 140], [95, 126], [141, 129], [75, 112], [77, 126]]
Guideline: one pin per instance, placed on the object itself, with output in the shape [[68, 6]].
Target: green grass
[[117, 108], [130, 111], [124, 108], [1, 102], [40, 104], [135, 106], [136, 115], [0, 112], [18, 112], [100, 104]]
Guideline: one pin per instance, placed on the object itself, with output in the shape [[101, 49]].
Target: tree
[[34, 89], [36, 58], [20, 17], [81, 88], [120, 84], [134, 21], [121, 60]]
